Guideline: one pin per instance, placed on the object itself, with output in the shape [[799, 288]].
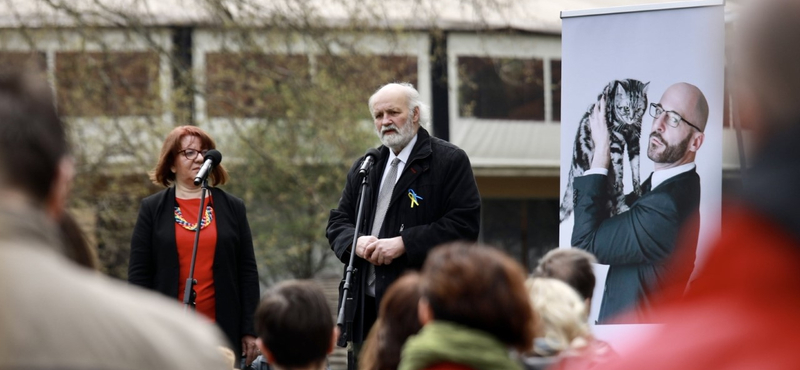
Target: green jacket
[[443, 341]]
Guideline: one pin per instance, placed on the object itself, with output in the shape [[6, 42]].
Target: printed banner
[[660, 73]]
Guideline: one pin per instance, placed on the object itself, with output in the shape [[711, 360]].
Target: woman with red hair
[[163, 240]]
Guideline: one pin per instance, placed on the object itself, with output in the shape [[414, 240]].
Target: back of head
[[32, 138], [479, 287], [570, 265], [767, 83], [295, 323], [397, 320], [765, 64], [561, 313]]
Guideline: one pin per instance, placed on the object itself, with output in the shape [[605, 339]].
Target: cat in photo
[[626, 104]]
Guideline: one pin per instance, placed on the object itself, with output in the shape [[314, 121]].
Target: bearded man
[[421, 193], [637, 244]]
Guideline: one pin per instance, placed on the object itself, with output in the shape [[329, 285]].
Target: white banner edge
[[640, 8]]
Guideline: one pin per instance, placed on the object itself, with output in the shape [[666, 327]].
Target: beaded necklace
[[207, 217]]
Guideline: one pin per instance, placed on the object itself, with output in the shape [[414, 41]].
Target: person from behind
[[572, 266], [563, 333], [561, 316], [163, 240], [295, 326], [53, 313], [474, 309], [397, 320]]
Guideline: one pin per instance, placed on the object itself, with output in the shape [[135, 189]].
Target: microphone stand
[[347, 309], [189, 295]]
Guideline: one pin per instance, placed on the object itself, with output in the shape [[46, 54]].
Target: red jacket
[[743, 310]]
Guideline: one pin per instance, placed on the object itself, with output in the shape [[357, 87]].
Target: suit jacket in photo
[[154, 259], [635, 244], [449, 209]]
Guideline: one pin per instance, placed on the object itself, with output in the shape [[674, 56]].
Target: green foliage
[[284, 96], [291, 169]]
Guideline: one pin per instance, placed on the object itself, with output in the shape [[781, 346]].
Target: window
[[525, 228], [368, 72], [253, 84], [501, 88], [36, 60], [353, 78], [278, 77], [92, 84], [257, 85]]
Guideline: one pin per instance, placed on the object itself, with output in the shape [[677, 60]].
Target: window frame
[[53, 41], [209, 40], [527, 144]]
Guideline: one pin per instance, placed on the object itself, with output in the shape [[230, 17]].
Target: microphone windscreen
[[372, 152], [214, 155]]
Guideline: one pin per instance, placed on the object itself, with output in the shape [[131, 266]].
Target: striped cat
[[626, 104]]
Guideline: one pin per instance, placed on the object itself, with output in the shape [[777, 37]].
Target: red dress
[[203, 270]]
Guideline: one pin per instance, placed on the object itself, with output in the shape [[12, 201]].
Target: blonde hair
[[562, 314]]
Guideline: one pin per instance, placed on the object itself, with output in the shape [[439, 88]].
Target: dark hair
[[77, 248], [572, 266], [162, 175], [482, 288], [33, 138], [397, 320], [295, 323]]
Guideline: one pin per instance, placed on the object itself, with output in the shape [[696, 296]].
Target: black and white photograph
[[641, 146]]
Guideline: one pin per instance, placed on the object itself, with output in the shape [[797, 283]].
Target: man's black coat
[[449, 209]]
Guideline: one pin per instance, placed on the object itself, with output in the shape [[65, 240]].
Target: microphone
[[212, 158], [369, 160]]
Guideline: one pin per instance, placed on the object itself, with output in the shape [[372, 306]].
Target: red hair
[[482, 288], [162, 174], [397, 320]]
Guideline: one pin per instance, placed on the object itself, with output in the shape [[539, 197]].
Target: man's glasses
[[191, 154], [673, 118]]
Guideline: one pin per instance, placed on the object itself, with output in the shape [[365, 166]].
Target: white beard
[[398, 140]]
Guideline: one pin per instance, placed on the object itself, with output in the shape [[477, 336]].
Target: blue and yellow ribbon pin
[[414, 198]]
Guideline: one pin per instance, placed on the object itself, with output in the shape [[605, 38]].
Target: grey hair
[[412, 96]]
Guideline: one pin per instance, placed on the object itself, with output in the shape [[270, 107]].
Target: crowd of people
[[426, 295], [470, 307]]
